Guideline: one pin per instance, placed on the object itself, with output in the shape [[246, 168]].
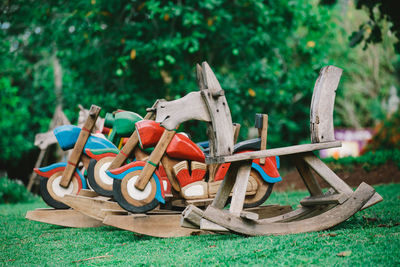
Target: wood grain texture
[[273, 152], [190, 107], [322, 104], [306, 175], [79, 145], [327, 174], [66, 218], [221, 137], [226, 186], [239, 189], [151, 225], [320, 222], [324, 200], [155, 158], [264, 135], [91, 206]]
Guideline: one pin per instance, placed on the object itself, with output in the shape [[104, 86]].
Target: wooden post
[[154, 159], [262, 125], [79, 145]]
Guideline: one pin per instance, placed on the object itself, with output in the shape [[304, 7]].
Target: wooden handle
[[79, 145], [263, 135], [129, 147], [154, 159]]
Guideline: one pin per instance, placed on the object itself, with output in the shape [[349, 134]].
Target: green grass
[[372, 236]]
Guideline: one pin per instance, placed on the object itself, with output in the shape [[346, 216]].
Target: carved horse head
[[209, 104]]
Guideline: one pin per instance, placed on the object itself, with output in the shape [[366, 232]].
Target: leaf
[[344, 253]]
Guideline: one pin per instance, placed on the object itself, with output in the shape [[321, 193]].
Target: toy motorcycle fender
[[50, 188]]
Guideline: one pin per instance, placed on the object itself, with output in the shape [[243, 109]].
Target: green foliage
[[387, 134], [368, 159], [378, 11], [12, 191], [372, 236], [265, 54]]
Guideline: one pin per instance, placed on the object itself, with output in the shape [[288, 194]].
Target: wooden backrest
[[322, 104]]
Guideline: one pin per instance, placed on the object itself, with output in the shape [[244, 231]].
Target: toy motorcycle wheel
[[52, 192], [264, 190], [98, 178], [132, 199]]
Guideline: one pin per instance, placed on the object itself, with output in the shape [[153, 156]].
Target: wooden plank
[[79, 145], [92, 207], [154, 159], [306, 175], [249, 215], [210, 226], [264, 135], [327, 174], [324, 200], [273, 152], [239, 189], [270, 211], [320, 222], [152, 225], [376, 198], [236, 131], [226, 187], [322, 103], [66, 218], [87, 193], [193, 215], [129, 147]]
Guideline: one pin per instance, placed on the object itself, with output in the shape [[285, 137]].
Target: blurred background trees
[[126, 54]]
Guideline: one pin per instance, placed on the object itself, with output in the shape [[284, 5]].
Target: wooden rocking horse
[[319, 211]]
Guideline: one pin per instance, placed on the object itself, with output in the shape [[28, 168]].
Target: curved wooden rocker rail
[[295, 222]]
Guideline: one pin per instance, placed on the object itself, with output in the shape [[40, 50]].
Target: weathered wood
[[323, 100], [129, 147], [154, 159], [273, 152], [269, 211], [239, 189], [87, 193], [226, 186], [193, 215], [91, 206], [221, 136], [210, 226], [327, 174], [320, 222], [190, 107], [236, 131], [306, 175], [324, 200], [376, 198], [66, 218], [264, 135], [79, 145], [154, 225], [249, 215]]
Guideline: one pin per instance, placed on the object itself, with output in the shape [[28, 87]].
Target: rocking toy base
[[161, 225], [300, 221], [66, 218]]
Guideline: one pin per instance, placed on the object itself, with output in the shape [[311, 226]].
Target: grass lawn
[[371, 237]]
